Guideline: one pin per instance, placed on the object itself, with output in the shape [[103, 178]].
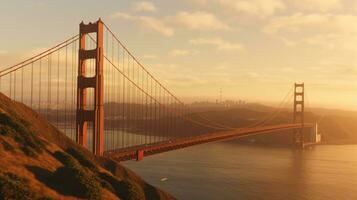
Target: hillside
[[39, 162]]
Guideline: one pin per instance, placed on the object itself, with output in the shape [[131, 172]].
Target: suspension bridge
[[93, 89]]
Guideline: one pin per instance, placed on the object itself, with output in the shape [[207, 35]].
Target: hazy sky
[[253, 49]]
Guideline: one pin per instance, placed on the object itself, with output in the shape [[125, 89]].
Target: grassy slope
[[39, 162]]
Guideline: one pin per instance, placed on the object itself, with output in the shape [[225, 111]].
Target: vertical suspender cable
[[72, 92], [22, 85], [15, 85], [124, 102], [146, 109], [10, 86], [65, 93], [152, 111], [118, 131], [155, 124], [142, 109], [134, 101], [106, 87], [57, 96], [39, 91], [112, 94], [31, 101], [48, 85], [129, 101]]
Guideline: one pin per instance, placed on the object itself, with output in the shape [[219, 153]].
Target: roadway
[[138, 152]]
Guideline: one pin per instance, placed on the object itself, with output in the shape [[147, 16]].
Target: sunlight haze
[[253, 49]]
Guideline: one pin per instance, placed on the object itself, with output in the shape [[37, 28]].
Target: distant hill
[[336, 126], [39, 162]]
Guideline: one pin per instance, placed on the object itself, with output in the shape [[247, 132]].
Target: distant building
[[217, 103]]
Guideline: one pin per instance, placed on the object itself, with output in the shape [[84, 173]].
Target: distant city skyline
[[253, 49]]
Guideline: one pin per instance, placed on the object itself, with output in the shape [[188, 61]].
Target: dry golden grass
[[39, 169]]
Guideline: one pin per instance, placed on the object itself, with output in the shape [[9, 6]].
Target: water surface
[[228, 170]]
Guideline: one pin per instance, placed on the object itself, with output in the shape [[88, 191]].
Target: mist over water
[[228, 170]]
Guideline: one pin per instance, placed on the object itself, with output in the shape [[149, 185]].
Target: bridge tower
[[298, 115], [84, 115]]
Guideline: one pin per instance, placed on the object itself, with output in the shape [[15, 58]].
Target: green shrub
[[44, 198], [81, 176], [29, 151], [13, 187], [30, 144], [134, 191], [75, 179], [6, 120], [6, 130], [151, 192], [12, 122], [66, 159], [106, 185], [16, 188], [7, 146], [83, 159], [123, 189]]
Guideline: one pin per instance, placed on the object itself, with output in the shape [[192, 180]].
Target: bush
[[75, 179], [83, 159], [6, 130], [13, 187], [30, 144], [7, 146], [16, 188], [66, 159], [123, 189], [134, 191]]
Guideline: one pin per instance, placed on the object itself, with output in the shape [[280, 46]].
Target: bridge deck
[[138, 152]]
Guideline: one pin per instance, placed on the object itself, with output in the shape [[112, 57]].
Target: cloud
[[261, 8], [327, 41], [165, 66], [317, 5], [219, 43], [200, 2], [182, 52], [147, 22], [313, 23], [296, 22], [221, 67], [150, 56], [253, 75], [266, 8], [198, 20], [144, 6], [325, 30], [187, 20]]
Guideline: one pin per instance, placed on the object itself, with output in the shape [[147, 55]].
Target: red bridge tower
[[299, 108], [95, 116]]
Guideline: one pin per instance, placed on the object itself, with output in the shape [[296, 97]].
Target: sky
[[254, 50]]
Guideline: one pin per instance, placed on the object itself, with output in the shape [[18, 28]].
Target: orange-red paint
[[132, 152], [83, 115]]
